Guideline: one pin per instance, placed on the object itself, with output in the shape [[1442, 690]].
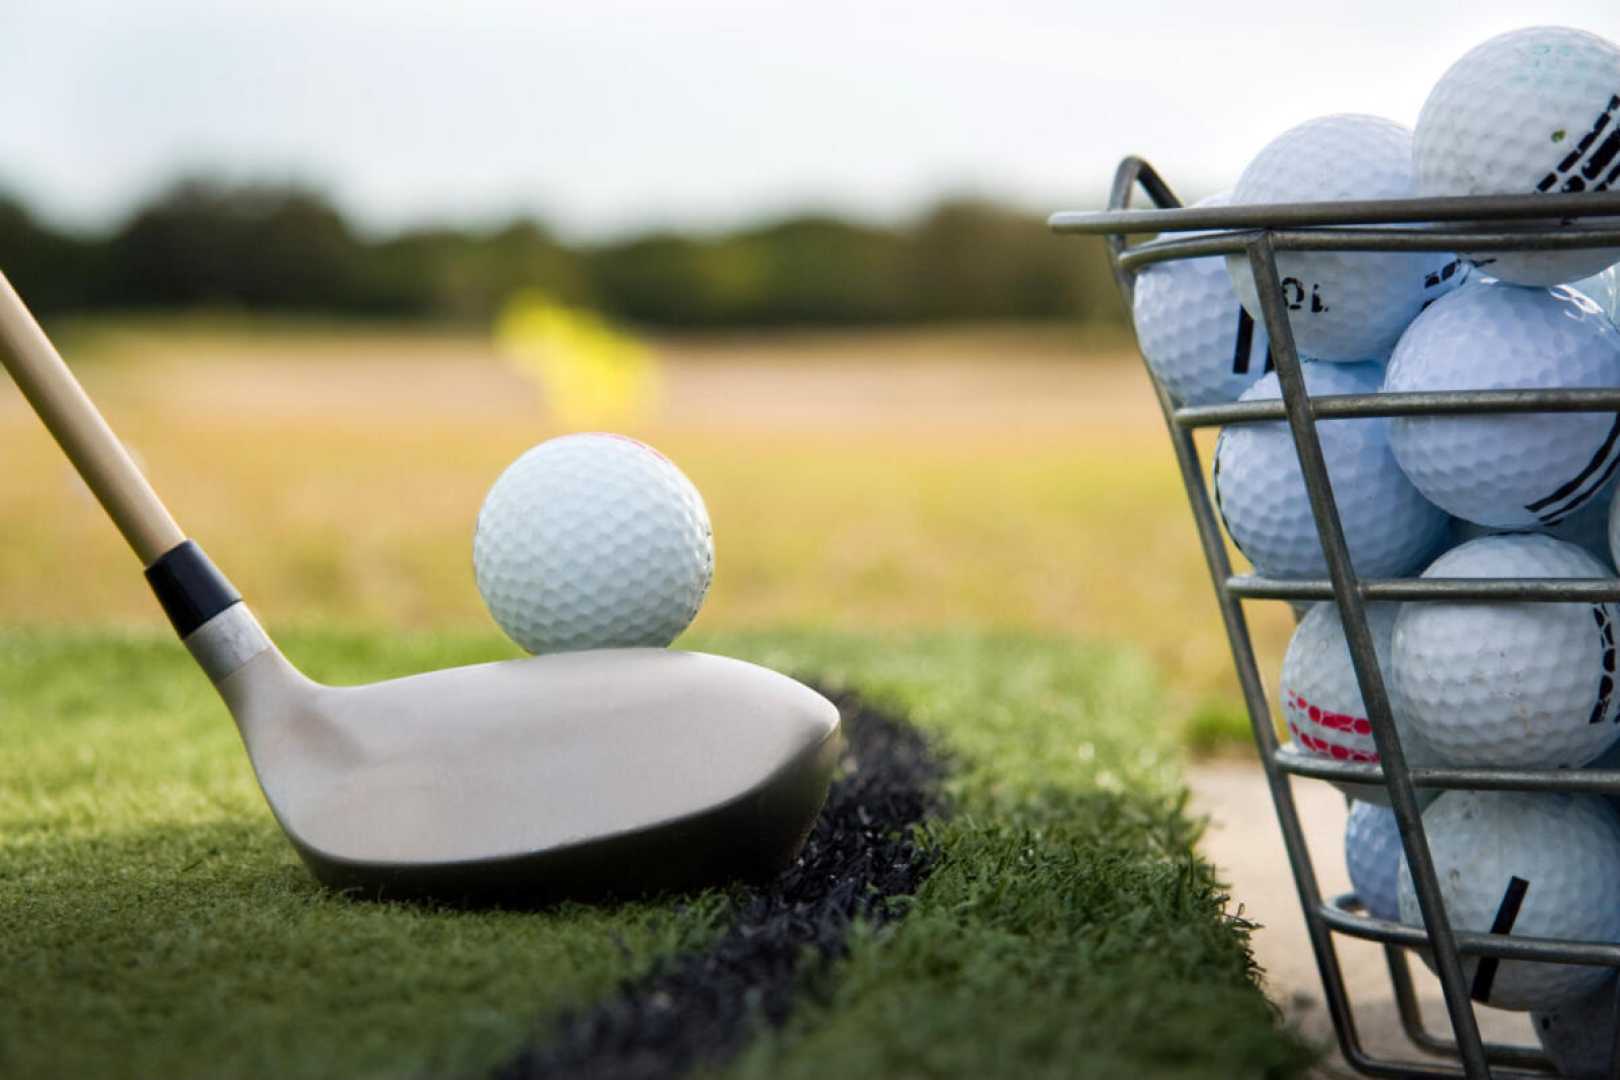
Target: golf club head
[[569, 775], [577, 775]]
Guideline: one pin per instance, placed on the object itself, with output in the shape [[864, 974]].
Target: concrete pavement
[[1244, 841]]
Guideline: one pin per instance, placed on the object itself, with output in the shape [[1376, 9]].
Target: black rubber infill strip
[[701, 1007]]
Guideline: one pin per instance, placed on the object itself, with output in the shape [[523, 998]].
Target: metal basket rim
[[1546, 211], [1256, 234]]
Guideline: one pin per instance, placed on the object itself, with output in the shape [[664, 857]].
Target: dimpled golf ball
[[1390, 528], [1603, 289], [1519, 469], [1579, 1036], [1531, 864], [1342, 305], [1587, 528], [1322, 702], [1614, 529], [1197, 339], [1372, 854], [1510, 684], [1535, 110], [593, 541]]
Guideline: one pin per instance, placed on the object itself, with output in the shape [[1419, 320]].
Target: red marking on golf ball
[[1328, 720], [654, 451]]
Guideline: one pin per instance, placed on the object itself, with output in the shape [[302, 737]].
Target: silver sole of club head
[[576, 774]]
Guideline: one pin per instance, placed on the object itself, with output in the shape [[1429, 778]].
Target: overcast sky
[[612, 115]]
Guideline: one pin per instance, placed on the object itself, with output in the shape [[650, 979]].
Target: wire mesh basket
[[1257, 233]]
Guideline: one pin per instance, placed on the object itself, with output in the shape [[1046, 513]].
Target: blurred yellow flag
[[590, 374]]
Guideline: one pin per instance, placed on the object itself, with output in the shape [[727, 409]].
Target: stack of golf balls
[[1523, 495], [593, 541]]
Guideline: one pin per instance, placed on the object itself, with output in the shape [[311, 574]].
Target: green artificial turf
[[154, 922]]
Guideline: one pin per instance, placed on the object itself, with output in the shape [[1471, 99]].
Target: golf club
[[615, 771]]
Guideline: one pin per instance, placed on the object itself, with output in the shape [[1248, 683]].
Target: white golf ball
[[1352, 305], [1518, 469], [1197, 339], [1613, 515], [1527, 864], [1372, 854], [1603, 289], [1321, 698], [593, 541], [1579, 1036], [1508, 684], [1390, 529], [1587, 528], [1535, 110]]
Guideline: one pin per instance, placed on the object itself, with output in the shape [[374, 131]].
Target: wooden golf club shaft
[[78, 427]]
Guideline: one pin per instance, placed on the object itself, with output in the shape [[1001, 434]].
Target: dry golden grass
[[883, 480]]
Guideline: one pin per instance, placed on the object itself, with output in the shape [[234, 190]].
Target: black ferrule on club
[[190, 588]]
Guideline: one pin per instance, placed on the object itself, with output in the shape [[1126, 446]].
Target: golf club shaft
[[77, 425]]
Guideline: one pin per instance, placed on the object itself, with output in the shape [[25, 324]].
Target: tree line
[[204, 243]]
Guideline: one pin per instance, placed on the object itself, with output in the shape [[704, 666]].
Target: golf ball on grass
[[1508, 469], [1520, 684], [1538, 864], [1534, 110], [1342, 305], [1389, 527], [593, 541], [1322, 702], [1197, 339]]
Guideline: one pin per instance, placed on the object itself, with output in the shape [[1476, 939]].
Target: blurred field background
[[967, 510], [276, 243], [886, 480], [938, 422]]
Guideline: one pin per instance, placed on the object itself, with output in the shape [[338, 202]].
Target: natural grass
[[1218, 725], [154, 922]]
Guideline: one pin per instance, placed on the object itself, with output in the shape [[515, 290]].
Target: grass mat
[[154, 921]]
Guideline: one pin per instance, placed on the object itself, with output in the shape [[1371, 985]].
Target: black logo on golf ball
[[1436, 278], [1605, 625], [1242, 352], [1576, 492], [1588, 166], [1507, 913], [1297, 296]]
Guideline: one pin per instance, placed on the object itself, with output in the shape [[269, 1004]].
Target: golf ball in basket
[[1535, 110], [1342, 305], [1614, 529], [1198, 340], [1513, 683], [1579, 1036], [1390, 529], [1372, 854], [1587, 528], [1603, 289], [1531, 864], [1519, 469], [1322, 702], [593, 541]]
